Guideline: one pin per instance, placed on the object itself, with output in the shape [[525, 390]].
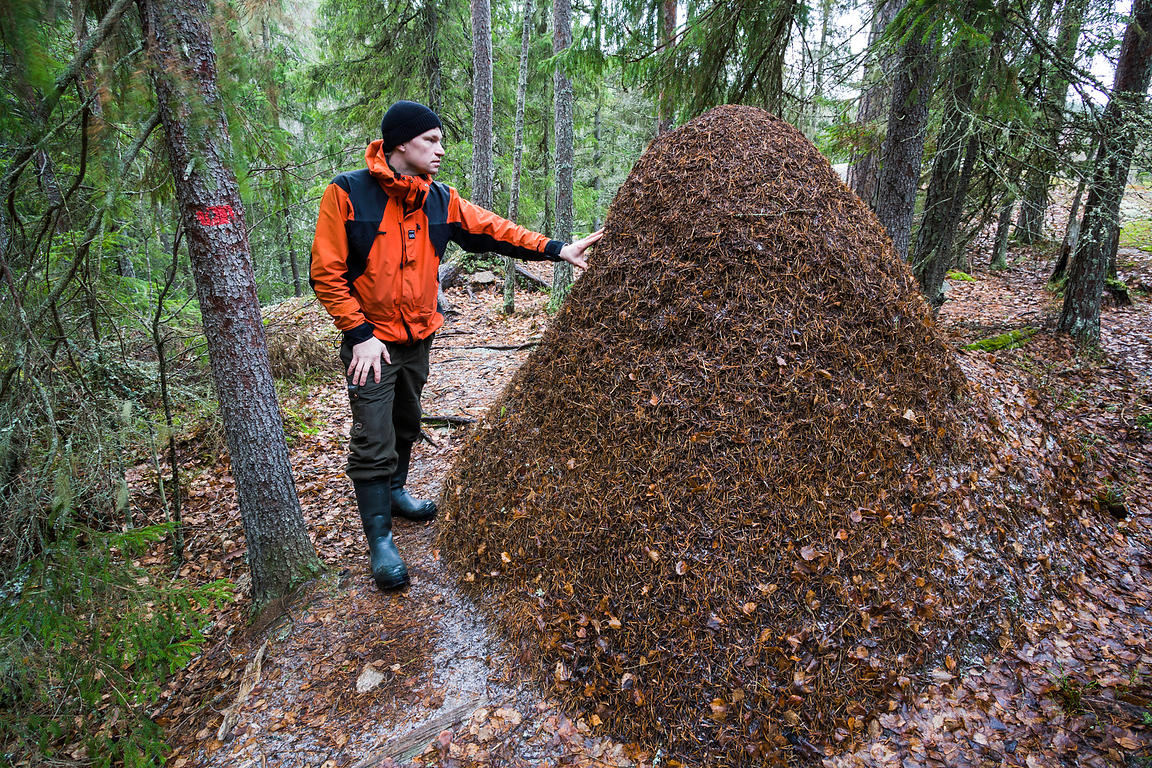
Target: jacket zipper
[[403, 262]]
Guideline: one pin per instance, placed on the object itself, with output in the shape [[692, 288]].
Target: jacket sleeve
[[479, 230], [329, 268]]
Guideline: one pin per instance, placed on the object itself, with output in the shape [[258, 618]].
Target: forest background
[[954, 121]]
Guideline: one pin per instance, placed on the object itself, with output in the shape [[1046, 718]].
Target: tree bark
[[664, 110], [874, 104], [548, 225], [482, 103], [947, 187], [999, 259], [1080, 316], [565, 145], [1071, 234], [182, 65], [432, 59], [903, 148], [1054, 85], [517, 155]]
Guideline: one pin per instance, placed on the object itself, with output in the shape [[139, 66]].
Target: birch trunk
[[664, 111], [565, 146], [517, 156], [482, 103]]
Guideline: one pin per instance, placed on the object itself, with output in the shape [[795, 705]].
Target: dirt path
[[436, 687]]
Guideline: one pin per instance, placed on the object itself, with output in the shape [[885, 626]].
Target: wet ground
[[348, 676]]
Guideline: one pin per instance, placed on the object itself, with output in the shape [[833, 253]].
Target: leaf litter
[[1071, 684], [745, 372]]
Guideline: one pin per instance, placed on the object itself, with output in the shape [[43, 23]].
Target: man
[[379, 239]]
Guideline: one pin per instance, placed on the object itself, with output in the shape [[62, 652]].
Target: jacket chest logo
[[411, 234]]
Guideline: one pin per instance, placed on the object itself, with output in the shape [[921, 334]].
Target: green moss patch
[[1009, 340]]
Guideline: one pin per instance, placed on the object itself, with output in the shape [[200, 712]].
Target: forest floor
[[344, 675]]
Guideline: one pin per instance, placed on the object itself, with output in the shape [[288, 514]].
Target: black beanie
[[406, 120]]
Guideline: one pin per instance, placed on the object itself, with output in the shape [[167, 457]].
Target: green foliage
[[1070, 693], [1136, 233], [956, 274], [1009, 340], [87, 638]]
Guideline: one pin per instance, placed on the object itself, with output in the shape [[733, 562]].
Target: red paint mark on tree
[[215, 215]]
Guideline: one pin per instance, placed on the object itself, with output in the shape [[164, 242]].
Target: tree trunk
[[1033, 203], [903, 149], [183, 70], [1119, 129], [289, 240], [597, 158], [1003, 224], [517, 156], [947, 188], [1071, 234], [482, 103], [546, 152], [664, 110], [432, 60], [565, 146], [1054, 84], [864, 170]]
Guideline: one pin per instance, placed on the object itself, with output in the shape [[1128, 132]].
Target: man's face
[[420, 155]]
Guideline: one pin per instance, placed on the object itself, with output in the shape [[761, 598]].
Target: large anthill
[[741, 493]]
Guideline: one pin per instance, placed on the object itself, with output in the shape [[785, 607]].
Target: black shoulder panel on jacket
[[368, 200], [436, 210]]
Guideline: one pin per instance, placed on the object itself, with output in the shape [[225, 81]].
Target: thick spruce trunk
[[565, 145], [1080, 316], [183, 69], [903, 149], [874, 103], [948, 186]]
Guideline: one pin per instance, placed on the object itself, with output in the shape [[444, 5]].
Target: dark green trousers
[[385, 412]]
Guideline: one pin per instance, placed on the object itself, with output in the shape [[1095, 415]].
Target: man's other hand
[[366, 357], [573, 253]]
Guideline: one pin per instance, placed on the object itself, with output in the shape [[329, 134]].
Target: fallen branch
[[452, 420], [520, 270], [250, 680], [403, 749]]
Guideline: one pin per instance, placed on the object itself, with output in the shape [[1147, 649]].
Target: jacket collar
[[412, 190]]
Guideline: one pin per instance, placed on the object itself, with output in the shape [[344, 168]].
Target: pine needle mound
[[741, 494]]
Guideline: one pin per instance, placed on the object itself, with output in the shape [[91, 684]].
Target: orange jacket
[[379, 240]]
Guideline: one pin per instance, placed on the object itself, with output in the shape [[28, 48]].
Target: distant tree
[[182, 63], [482, 126], [517, 154], [727, 51], [665, 113], [565, 144], [1054, 73], [1124, 121]]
